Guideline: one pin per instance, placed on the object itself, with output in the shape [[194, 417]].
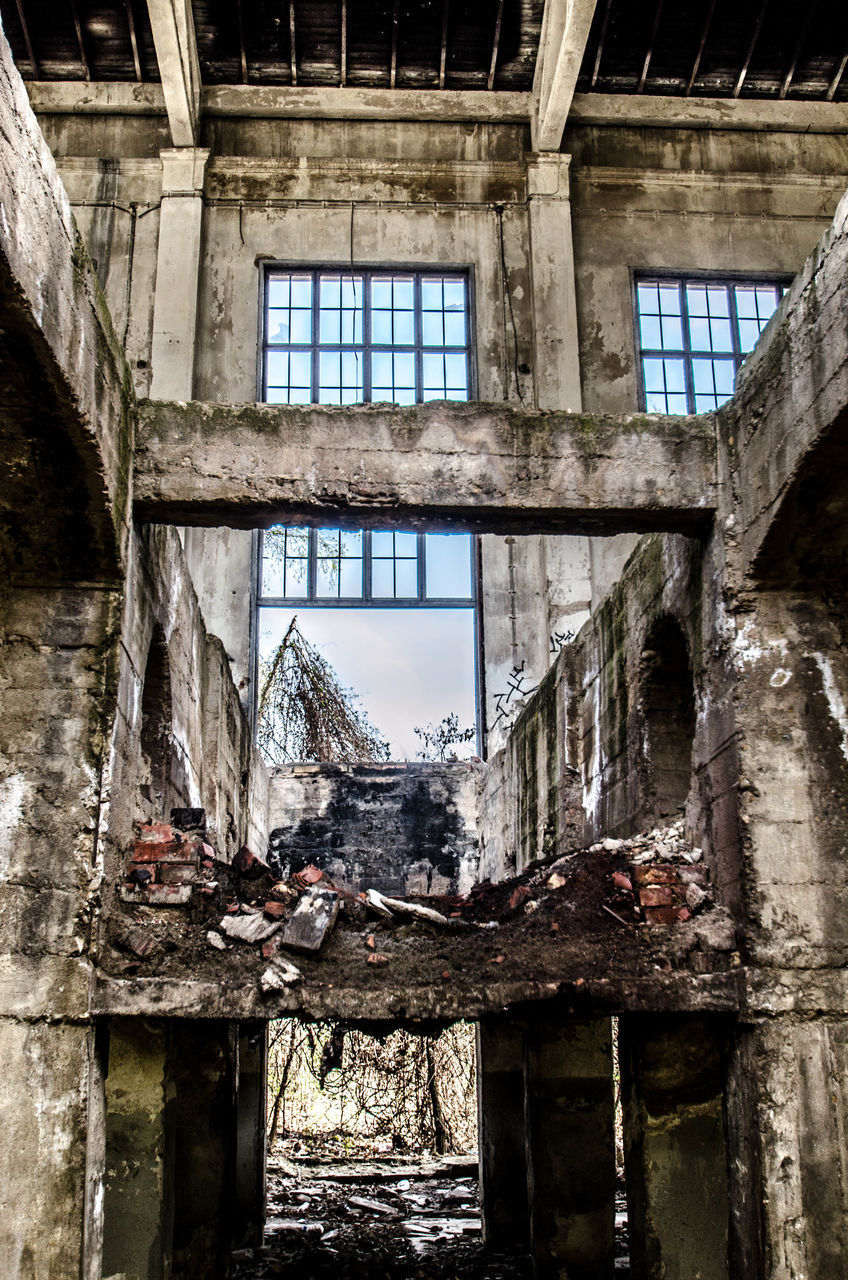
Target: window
[[694, 334], [361, 567], [334, 337]]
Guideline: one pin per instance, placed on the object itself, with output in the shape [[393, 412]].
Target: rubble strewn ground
[[635, 906], [384, 1218]]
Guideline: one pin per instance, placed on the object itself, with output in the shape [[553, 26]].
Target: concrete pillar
[[140, 1111], [177, 271], [787, 1127], [570, 1148], [203, 1062], [251, 1133], [556, 364], [500, 1109], [673, 1073]]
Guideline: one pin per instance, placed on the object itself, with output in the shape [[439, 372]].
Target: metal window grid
[[687, 354], [367, 599], [423, 355]]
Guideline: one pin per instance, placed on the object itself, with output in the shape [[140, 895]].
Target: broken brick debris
[[312, 921], [377, 957], [308, 876], [156, 895], [279, 974], [248, 928], [247, 864], [275, 910]]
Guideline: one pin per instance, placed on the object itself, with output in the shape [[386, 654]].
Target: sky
[[409, 666]]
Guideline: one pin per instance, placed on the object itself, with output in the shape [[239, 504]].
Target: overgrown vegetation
[[401, 1091], [306, 713]]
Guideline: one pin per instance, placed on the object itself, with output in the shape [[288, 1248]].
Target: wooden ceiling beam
[[601, 42], [293, 45], [565, 32], [650, 52], [36, 73], [490, 83], [443, 56], [133, 39], [737, 89], [343, 46], [696, 65], [393, 65], [172, 23], [793, 66], [835, 82], [80, 42], [242, 46]]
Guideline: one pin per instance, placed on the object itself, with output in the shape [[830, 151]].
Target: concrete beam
[[82, 97], [172, 22], [565, 30], [745, 114], [791, 403], [468, 466]]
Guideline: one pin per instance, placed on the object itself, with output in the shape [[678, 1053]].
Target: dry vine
[[306, 713]]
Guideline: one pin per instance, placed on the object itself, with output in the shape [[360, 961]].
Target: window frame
[[367, 271], [369, 601], [667, 275]]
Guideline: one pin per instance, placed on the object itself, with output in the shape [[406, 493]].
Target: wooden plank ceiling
[[715, 48]]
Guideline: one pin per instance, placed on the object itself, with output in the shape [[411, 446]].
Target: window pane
[[382, 579], [406, 578], [327, 579], [650, 330], [382, 543], [406, 544], [350, 578], [448, 566], [296, 577], [350, 542]]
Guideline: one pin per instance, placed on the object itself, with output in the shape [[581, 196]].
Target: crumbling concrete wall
[[397, 828]]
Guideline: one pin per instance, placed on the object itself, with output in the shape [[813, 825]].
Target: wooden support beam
[[36, 73], [601, 41], [133, 39], [835, 82], [696, 66], [793, 66], [80, 42], [393, 67], [293, 44], [565, 32], [343, 47], [490, 83], [443, 56], [737, 89], [650, 51], [242, 49], [172, 22]]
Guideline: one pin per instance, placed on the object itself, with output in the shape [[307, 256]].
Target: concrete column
[[570, 1148], [177, 271], [203, 1062], [556, 364], [251, 1133], [500, 1109], [787, 1127], [140, 1108], [673, 1072]]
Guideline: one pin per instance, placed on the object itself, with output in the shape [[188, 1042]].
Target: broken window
[[694, 334], [332, 337]]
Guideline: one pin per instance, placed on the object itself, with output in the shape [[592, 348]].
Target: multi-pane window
[[365, 567], [693, 336], [337, 337]]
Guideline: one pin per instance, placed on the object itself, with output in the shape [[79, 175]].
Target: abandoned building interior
[[559, 283]]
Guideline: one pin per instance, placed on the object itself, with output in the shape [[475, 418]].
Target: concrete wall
[[398, 828]]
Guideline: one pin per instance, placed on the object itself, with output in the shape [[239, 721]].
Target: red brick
[[655, 896], [655, 875], [151, 850], [661, 915], [155, 831], [275, 910], [246, 863], [683, 913], [182, 851]]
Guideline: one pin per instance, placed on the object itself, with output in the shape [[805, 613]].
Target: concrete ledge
[[470, 466]]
